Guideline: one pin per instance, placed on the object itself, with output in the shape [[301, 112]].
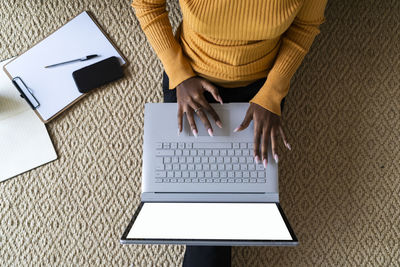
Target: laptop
[[206, 190]]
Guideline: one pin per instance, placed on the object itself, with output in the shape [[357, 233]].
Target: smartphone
[[98, 74]]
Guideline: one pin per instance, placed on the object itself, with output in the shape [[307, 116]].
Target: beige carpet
[[340, 186]]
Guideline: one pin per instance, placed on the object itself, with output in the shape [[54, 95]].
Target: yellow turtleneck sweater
[[232, 43]]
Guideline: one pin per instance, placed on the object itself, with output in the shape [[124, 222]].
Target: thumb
[[212, 90], [246, 121]]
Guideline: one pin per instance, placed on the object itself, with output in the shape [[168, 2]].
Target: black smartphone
[[98, 74]]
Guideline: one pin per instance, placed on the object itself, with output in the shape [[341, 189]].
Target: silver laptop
[[206, 190]]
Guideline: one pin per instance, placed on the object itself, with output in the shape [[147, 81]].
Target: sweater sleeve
[[154, 21], [295, 44]]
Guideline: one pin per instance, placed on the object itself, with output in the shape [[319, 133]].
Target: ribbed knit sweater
[[233, 43]]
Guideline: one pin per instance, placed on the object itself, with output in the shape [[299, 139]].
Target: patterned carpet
[[340, 186]]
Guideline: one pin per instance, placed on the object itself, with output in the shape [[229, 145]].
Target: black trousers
[[213, 256]]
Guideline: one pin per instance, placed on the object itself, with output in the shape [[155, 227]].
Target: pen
[[74, 60]]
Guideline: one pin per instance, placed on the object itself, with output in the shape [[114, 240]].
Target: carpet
[[339, 186]]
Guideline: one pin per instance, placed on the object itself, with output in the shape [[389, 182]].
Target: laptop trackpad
[[202, 131]]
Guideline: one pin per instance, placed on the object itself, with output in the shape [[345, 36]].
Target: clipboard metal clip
[[26, 92]]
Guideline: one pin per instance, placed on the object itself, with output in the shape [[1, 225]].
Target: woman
[[232, 51]]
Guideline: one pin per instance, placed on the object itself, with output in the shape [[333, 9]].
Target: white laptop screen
[[210, 221]]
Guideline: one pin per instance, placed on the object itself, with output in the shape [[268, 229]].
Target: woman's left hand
[[266, 125]]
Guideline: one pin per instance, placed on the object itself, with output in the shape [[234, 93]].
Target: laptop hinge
[[209, 197]]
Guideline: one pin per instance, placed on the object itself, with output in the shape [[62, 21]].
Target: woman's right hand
[[191, 100]]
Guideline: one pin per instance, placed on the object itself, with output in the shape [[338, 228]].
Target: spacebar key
[[212, 145]]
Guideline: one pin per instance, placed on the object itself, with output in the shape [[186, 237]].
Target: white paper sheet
[[24, 141], [54, 88]]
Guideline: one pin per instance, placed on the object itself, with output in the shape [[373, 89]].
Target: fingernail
[[256, 159], [237, 129], [210, 132], [288, 146], [194, 131], [276, 158], [179, 132], [265, 163], [219, 124]]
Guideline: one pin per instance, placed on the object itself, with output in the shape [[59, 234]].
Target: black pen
[[74, 60]]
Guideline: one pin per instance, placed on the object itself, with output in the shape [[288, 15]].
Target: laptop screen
[[209, 221]]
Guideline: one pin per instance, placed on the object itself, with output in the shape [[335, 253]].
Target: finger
[[190, 118], [246, 121], [212, 89], [287, 145], [203, 117], [256, 148], [180, 117], [212, 112], [264, 145], [273, 144]]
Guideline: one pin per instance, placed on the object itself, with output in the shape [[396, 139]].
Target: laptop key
[[259, 167], [158, 180], [165, 152], [205, 145], [160, 167], [261, 180], [161, 174]]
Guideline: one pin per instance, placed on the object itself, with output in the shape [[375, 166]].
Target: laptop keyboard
[[203, 162]]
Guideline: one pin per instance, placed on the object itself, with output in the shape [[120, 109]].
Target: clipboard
[[50, 91]]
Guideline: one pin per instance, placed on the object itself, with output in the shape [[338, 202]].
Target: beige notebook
[[24, 141]]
